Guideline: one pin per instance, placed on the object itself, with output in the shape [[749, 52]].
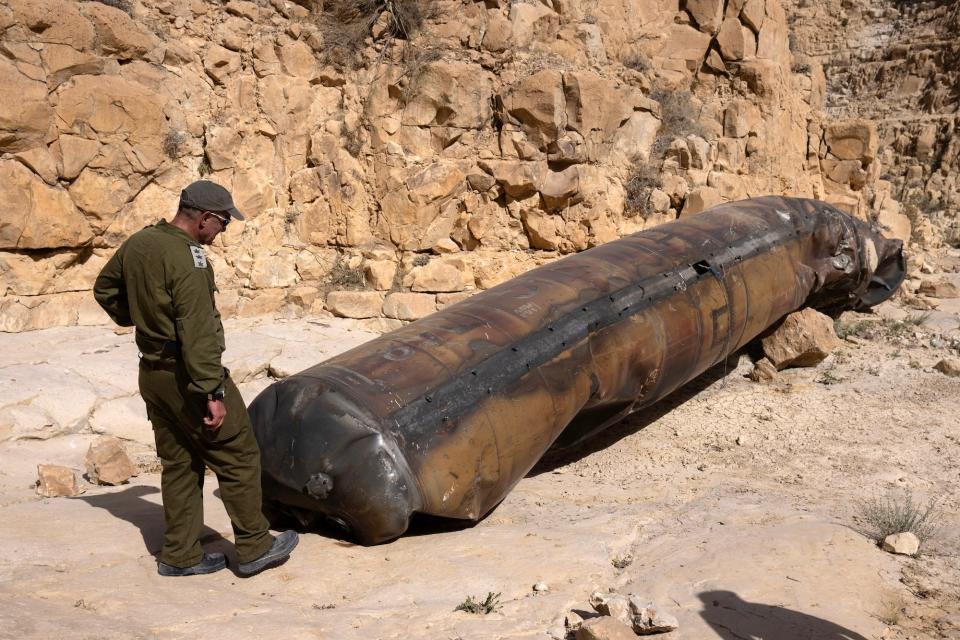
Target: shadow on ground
[[733, 618], [579, 440], [129, 504]]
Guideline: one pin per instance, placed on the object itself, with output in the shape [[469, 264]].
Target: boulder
[[499, 34], [753, 13], [125, 115], [24, 121], [220, 63], [597, 106], [686, 43], [537, 103], [699, 200], [612, 604], [905, 543], [852, 140], [409, 306], [604, 628], [740, 118], [55, 481], [117, 34], [451, 94], [533, 23], [938, 289], [804, 339], [38, 216], [380, 273], [355, 304], [443, 275], [949, 367], [55, 21], [107, 462], [75, 154], [708, 14], [731, 40], [648, 619]]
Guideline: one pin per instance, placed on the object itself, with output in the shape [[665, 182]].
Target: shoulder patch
[[199, 258]]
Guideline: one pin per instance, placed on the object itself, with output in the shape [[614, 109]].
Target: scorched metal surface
[[445, 415]]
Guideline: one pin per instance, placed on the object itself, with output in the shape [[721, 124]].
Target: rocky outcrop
[[491, 134]]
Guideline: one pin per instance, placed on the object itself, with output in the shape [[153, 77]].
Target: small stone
[[949, 367], [107, 461], [541, 587], [763, 371], [905, 543], [649, 619], [572, 620], [55, 481], [604, 628], [611, 604]]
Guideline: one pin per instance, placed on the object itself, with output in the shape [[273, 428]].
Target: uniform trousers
[[185, 447]]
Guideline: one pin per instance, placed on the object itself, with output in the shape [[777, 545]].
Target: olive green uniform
[[160, 282]]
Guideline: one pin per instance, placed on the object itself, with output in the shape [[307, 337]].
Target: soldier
[[160, 281]]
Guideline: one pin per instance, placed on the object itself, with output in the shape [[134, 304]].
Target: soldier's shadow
[[130, 504], [733, 618]]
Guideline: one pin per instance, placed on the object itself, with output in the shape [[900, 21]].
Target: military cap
[[204, 195]]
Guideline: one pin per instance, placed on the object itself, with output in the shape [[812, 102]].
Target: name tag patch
[[199, 258]]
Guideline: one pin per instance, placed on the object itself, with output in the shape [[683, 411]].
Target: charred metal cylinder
[[445, 415]]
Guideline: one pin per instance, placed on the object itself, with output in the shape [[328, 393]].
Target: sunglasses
[[224, 220]]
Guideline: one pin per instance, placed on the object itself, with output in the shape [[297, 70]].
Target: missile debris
[[445, 415]]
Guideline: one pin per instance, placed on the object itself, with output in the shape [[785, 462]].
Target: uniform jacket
[[160, 281]]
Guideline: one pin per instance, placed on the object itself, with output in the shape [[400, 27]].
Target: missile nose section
[[888, 268], [322, 455]]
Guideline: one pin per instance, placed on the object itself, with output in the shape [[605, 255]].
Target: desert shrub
[[343, 276], [898, 512], [642, 181], [637, 62], [346, 24], [679, 120], [172, 142], [481, 607]]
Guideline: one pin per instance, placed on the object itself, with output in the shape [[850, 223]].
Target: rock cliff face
[[895, 64], [395, 157]]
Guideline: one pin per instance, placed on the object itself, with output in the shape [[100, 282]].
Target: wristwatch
[[218, 394]]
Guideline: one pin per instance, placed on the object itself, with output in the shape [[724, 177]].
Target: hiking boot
[[283, 546], [211, 562]]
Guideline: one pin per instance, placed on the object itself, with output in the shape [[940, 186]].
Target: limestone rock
[[708, 14], [220, 63], [55, 481], [763, 371], [604, 628], [440, 276], [126, 115], [451, 94], [905, 543], [107, 462], [939, 289], [852, 140], [380, 273], [117, 33], [533, 22], [537, 102], [409, 306], [753, 14], [38, 216], [648, 619], [24, 121], [686, 43], [124, 418], [731, 41], [699, 200], [615, 605], [804, 339], [355, 304], [55, 21], [949, 367]]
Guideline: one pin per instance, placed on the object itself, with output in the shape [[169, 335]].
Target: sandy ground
[[733, 505]]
